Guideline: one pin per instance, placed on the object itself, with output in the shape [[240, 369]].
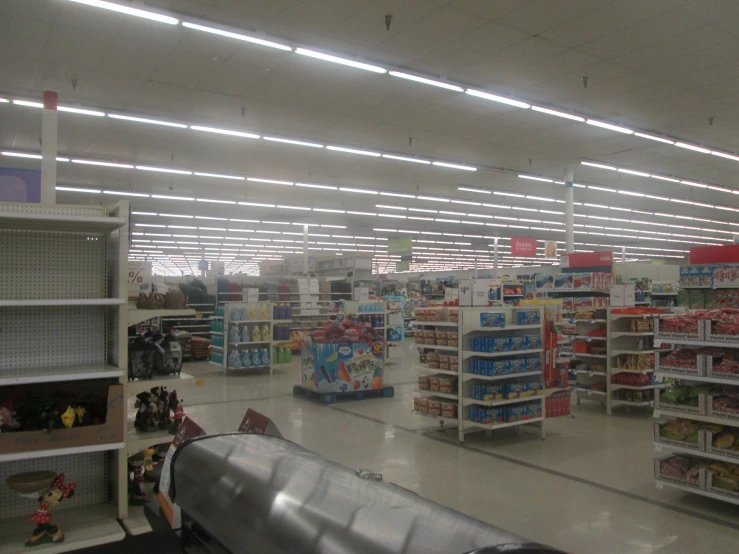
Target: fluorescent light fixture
[[146, 120], [693, 147], [218, 176], [501, 193], [398, 195], [224, 132], [455, 166], [432, 198], [105, 164], [632, 172], [214, 201], [426, 81], [341, 61], [270, 181], [404, 159], [479, 191], [694, 184], [725, 155], [74, 189], [663, 178], [610, 126], [392, 215], [533, 178], [599, 166], [237, 36], [679, 201], [4, 101], [718, 189], [152, 16], [295, 142], [496, 98], [630, 193], [145, 213], [328, 211], [652, 137], [292, 208], [604, 189], [28, 103], [165, 197], [309, 185], [390, 207], [121, 193], [466, 202], [80, 111], [353, 151], [22, 155], [558, 114], [421, 218], [163, 170], [360, 191]]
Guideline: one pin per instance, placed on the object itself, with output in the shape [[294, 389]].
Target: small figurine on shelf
[[45, 532], [175, 405], [68, 417], [136, 492], [144, 416]]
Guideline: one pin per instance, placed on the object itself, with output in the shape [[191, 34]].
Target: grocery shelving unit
[[623, 341], [469, 328], [585, 377], [64, 319], [705, 412]]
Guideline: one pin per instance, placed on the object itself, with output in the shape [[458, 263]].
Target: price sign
[[138, 273]]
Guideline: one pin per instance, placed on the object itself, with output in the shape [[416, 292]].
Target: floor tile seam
[[553, 472]]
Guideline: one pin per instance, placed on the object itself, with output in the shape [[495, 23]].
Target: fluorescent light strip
[[632, 172], [163, 170], [341, 61], [692, 147], [534, 178], [426, 81], [165, 197], [360, 191], [152, 16], [73, 189], [558, 114], [478, 191], [455, 166], [122, 193], [237, 36], [104, 164], [609, 126], [217, 176], [214, 201], [224, 132], [309, 185], [398, 195], [496, 98], [295, 142], [353, 151], [404, 159], [725, 155], [146, 120], [270, 181], [652, 137]]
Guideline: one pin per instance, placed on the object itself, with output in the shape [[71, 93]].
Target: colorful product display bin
[[340, 368]]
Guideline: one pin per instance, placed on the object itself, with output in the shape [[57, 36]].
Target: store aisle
[[587, 488]]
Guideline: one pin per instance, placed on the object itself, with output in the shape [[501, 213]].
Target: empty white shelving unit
[[63, 319]]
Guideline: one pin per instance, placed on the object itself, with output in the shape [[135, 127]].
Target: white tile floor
[[587, 488]]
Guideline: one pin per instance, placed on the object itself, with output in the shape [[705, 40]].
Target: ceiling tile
[[541, 15]]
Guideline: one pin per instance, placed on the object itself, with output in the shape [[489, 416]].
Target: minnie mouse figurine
[[45, 532]]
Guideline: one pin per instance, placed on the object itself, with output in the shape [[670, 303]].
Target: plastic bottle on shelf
[[245, 335], [276, 311], [235, 314], [233, 334], [265, 356], [234, 360], [245, 359], [288, 355], [265, 332], [256, 358], [256, 333]]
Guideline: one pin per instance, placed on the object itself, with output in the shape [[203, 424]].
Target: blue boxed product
[[492, 392], [499, 344], [528, 317], [533, 363], [475, 344], [518, 365], [518, 343], [515, 390], [474, 415], [500, 367], [492, 319], [544, 280], [533, 342]]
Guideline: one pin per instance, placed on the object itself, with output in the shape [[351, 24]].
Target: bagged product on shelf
[[443, 361], [452, 338], [434, 383], [453, 363], [423, 405], [434, 407], [432, 359], [447, 384], [449, 409], [423, 382], [683, 430], [416, 403], [440, 338], [684, 469]]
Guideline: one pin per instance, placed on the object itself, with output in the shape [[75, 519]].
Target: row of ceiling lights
[[203, 26]]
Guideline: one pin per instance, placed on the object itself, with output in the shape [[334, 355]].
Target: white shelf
[[616, 402], [216, 332], [471, 376], [702, 379], [617, 335], [214, 347], [494, 426], [250, 367], [447, 395], [51, 222], [616, 370], [83, 527], [587, 355], [251, 342], [589, 392], [137, 316], [492, 403], [138, 440], [615, 386], [506, 328], [64, 302], [636, 352], [451, 421], [590, 291], [589, 373], [615, 317], [696, 417], [574, 320], [211, 362], [174, 380], [674, 293], [432, 371], [586, 338], [472, 354], [250, 321], [26, 455], [695, 490], [435, 323], [658, 446], [31, 375], [659, 340], [437, 347]]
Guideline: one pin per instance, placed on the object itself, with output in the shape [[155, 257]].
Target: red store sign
[[587, 259], [523, 246]]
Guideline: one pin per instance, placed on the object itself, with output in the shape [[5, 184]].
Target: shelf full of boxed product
[[65, 348], [631, 357], [702, 406]]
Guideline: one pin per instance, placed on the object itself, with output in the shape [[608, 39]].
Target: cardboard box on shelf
[[622, 295]]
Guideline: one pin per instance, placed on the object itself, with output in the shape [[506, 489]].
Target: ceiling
[[665, 67]]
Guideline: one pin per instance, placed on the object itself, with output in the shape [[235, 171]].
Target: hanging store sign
[[523, 246], [587, 259], [550, 249], [714, 254]]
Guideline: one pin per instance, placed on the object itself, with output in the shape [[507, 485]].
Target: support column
[[305, 250], [495, 257], [623, 254], [49, 124], [569, 211]]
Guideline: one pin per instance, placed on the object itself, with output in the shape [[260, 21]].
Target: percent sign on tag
[[134, 277]]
